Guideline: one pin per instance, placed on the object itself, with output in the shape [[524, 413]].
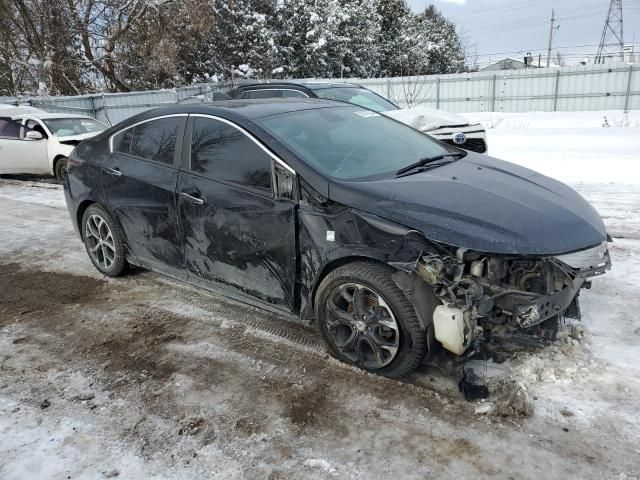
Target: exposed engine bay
[[487, 296]]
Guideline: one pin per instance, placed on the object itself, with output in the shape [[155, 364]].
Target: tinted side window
[[293, 93], [9, 128], [122, 142], [155, 140], [223, 152], [263, 94]]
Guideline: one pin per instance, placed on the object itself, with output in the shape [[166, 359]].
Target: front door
[[139, 179], [236, 234], [19, 154]]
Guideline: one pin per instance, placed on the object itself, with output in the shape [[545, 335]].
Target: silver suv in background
[[444, 126]]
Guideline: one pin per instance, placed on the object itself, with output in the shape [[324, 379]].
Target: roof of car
[[310, 84], [250, 108], [47, 116]]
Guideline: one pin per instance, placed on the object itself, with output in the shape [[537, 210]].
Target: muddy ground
[[141, 377]]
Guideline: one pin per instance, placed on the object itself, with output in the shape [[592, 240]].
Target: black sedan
[[395, 243]]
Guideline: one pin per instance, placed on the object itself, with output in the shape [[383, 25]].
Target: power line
[[563, 15], [477, 15], [538, 49]]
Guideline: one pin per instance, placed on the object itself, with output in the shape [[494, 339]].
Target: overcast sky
[[518, 26]]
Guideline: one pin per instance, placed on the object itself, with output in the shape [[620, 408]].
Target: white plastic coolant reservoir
[[449, 325]]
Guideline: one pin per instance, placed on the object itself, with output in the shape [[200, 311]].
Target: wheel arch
[[331, 266], [80, 213], [417, 291], [56, 159]]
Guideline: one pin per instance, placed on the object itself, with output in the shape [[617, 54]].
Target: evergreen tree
[[245, 37], [360, 34], [197, 55], [395, 20], [441, 47], [309, 37]]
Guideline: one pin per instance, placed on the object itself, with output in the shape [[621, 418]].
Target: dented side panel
[[238, 239], [333, 233], [142, 200]]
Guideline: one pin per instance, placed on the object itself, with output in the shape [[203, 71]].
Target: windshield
[[349, 143], [67, 127], [357, 96]]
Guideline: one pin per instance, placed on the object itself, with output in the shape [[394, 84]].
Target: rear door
[[139, 180], [19, 154], [236, 233]]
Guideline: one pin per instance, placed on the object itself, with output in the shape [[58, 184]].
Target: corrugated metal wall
[[115, 107], [577, 88]]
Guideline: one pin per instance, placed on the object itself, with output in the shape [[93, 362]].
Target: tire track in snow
[[272, 324]]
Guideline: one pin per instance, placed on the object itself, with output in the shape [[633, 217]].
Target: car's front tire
[[366, 320], [61, 170], [103, 241]]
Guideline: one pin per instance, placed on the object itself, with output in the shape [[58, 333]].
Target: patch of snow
[[321, 464]]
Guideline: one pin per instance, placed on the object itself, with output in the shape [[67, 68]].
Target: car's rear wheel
[[103, 241], [61, 170], [366, 320]]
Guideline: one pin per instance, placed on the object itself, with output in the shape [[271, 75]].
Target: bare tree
[[101, 25], [414, 89]]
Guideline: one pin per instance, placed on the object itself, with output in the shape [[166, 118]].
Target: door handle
[[194, 200], [112, 171]]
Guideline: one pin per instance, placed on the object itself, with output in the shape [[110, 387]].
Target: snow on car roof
[[46, 116], [11, 110]]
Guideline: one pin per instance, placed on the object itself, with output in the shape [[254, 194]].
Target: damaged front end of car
[[489, 298]]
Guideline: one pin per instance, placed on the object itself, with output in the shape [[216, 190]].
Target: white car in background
[[36, 142]]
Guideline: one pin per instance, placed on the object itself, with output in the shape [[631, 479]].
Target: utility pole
[[551, 28], [611, 42]]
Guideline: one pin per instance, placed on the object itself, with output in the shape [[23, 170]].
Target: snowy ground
[[141, 377], [571, 146]]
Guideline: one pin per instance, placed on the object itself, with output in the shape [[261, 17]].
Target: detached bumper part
[[537, 311], [590, 262]]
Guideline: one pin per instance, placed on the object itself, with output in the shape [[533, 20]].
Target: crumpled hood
[[425, 119], [77, 138], [482, 204]]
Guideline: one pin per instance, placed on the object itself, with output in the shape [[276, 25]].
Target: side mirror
[[285, 183], [33, 135]]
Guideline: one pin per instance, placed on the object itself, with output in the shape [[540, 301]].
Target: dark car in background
[[393, 243], [444, 126]]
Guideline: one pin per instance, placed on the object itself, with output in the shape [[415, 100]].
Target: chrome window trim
[[251, 137], [273, 90], [140, 123]]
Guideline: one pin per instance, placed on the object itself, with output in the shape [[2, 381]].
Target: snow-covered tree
[[439, 44], [395, 21], [197, 55], [309, 37], [245, 36], [80, 46], [359, 31]]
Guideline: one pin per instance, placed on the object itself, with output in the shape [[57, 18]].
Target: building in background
[[509, 63]]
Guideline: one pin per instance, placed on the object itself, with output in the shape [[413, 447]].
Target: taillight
[[74, 160]]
